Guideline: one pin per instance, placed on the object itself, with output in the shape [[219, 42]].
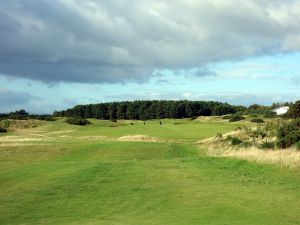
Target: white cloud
[[122, 40]]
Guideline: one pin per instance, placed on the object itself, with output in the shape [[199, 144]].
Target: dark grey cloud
[[119, 41]]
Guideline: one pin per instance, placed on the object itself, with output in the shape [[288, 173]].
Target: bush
[[253, 116], [3, 130], [46, 118], [257, 120], [294, 110], [270, 114], [77, 121], [219, 135], [226, 117], [236, 118], [267, 145], [288, 134], [298, 145], [258, 133], [235, 141]]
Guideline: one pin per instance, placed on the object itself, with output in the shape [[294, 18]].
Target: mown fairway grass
[[176, 130], [71, 181]]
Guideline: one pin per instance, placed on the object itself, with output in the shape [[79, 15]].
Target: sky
[[55, 54]]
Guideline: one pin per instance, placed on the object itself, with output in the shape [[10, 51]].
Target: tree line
[[23, 115], [145, 110]]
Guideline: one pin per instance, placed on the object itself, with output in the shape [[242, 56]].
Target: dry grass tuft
[[21, 124], [284, 158]]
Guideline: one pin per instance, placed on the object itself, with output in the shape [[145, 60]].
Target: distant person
[[131, 123], [160, 123], [144, 123]]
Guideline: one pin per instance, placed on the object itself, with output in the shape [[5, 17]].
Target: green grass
[[111, 182], [184, 129]]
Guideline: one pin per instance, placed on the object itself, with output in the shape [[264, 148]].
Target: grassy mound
[[20, 124]]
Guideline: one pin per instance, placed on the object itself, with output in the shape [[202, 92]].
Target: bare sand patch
[[17, 144], [9, 139], [144, 138], [209, 118], [60, 132], [93, 138]]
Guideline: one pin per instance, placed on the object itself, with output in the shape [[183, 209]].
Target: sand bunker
[[61, 132], [10, 139], [17, 144], [144, 138], [93, 138]]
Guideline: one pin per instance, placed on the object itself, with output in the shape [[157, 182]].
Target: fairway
[[62, 179], [178, 130]]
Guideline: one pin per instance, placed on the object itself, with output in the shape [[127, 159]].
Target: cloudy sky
[[55, 54]]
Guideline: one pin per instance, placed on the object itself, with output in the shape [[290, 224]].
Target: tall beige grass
[[284, 158]]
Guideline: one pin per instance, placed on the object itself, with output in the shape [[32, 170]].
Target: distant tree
[[77, 121], [112, 111], [294, 110], [145, 110], [88, 111], [121, 110]]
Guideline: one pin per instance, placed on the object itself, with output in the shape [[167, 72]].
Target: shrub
[[288, 134], [46, 118], [219, 135], [294, 110], [236, 118], [270, 114], [257, 120], [226, 117], [267, 145], [235, 141], [77, 121], [3, 130], [253, 116], [258, 133], [298, 145]]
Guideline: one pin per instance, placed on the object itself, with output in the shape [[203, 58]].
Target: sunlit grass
[[63, 179]]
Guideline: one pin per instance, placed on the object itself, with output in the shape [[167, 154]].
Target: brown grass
[[283, 158]]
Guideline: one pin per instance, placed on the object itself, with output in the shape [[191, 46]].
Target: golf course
[[130, 172]]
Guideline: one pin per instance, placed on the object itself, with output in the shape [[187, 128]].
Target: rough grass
[[20, 124], [283, 158], [250, 149]]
